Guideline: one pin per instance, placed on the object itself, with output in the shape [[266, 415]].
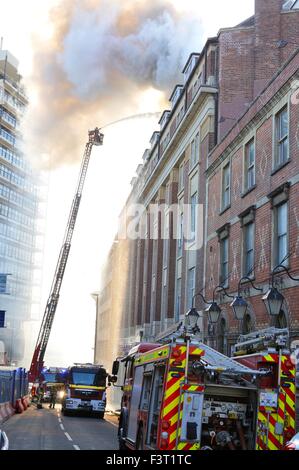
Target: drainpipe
[[216, 99]]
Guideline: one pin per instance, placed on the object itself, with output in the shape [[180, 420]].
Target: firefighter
[[53, 397], [41, 393]]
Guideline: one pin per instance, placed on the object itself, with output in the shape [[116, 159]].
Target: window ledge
[[220, 292], [279, 167], [225, 209], [190, 244], [193, 168], [286, 264], [181, 192], [248, 191]]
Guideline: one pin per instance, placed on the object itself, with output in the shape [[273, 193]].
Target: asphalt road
[[47, 429]]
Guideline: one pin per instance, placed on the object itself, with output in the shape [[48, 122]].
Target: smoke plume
[[103, 54]]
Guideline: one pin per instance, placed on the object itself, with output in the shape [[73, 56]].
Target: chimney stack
[[267, 35]]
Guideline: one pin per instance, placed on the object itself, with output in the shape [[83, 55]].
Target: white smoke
[[103, 55], [94, 51]]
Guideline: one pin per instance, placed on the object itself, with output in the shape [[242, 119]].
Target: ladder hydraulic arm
[[95, 138]]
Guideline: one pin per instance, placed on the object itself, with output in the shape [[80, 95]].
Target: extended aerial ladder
[[95, 137]]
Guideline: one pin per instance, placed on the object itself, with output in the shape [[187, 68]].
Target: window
[[248, 238], [193, 156], [146, 390], [180, 234], [226, 186], [281, 320], [193, 215], [194, 151], [246, 324], [181, 177], [281, 234], [197, 146], [2, 318], [9, 118], [222, 339], [178, 297], [180, 116], [6, 135], [156, 398], [224, 261], [164, 293], [191, 286], [249, 165], [282, 137]]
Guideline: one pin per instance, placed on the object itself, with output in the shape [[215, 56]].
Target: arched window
[[222, 340], [281, 320], [246, 324]]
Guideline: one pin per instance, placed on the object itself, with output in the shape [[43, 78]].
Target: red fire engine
[[184, 395], [276, 419]]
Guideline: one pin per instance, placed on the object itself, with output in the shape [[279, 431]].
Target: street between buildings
[[47, 429]]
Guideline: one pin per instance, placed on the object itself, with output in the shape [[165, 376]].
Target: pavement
[[48, 429]]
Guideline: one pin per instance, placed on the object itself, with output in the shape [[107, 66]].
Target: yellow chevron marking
[[290, 402], [271, 446], [269, 359], [171, 405], [195, 446], [169, 391], [173, 435], [197, 351], [272, 432], [181, 445], [292, 389], [192, 388]]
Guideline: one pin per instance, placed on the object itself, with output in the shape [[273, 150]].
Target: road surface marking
[[62, 427], [76, 447], [59, 419], [115, 425], [68, 436]]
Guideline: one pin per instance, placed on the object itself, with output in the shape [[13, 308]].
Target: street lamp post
[[213, 310], [274, 299], [239, 304], [191, 318]]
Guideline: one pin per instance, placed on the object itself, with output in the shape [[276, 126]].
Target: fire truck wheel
[[139, 442]]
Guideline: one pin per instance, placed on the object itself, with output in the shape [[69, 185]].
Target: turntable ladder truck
[[95, 137]]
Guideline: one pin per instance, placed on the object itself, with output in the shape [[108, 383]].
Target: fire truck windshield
[[50, 377], [88, 377], [83, 378]]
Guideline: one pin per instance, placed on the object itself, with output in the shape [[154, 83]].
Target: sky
[[27, 28]]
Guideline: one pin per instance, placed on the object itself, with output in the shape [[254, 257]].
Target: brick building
[[252, 222], [228, 143]]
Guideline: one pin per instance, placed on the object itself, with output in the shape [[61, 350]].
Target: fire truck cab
[[85, 390], [184, 395]]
